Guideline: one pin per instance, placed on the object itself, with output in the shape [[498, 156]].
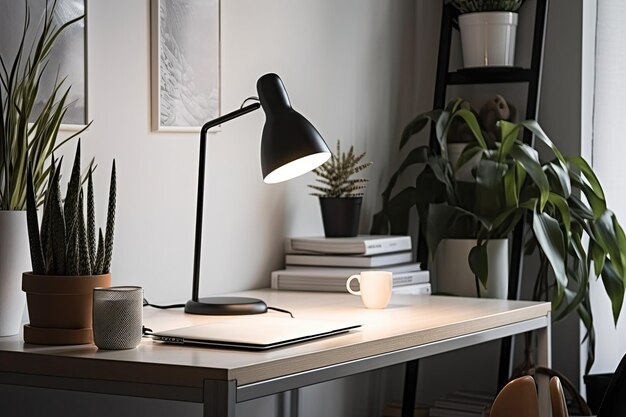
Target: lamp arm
[[200, 202]]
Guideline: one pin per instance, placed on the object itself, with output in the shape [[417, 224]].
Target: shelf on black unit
[[489, 75]]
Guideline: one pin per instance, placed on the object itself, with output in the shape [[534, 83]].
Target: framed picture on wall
[[67, 59], [185, 49]]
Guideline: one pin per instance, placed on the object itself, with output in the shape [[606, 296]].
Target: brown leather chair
[[518, 398], [557, 398]]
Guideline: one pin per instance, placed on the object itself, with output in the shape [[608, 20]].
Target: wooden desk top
[[408, 321]]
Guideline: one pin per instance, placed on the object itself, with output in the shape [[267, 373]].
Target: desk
[[411, 327]]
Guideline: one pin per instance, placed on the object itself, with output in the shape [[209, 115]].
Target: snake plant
[[66, 243]]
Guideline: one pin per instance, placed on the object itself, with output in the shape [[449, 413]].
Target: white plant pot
[[488, 38], [14, 260], [454, 276]]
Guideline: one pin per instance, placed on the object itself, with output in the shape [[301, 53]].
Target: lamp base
[[225, 306]]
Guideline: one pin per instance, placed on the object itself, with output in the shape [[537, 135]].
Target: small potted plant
[[488, 30], [68, 262], [341, 195]]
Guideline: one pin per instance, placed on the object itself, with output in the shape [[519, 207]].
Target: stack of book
[[325, 264], [462, 404]]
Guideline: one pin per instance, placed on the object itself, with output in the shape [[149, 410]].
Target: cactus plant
[[66, 243], [336, 172]]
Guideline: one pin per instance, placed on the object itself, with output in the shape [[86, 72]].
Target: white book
[[351, 261], [339, 271], [359, 245], [415, 289], [335, 279]]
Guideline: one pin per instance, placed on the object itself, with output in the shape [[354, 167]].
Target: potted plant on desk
[[25, 135], [511, 183], [488, 29], [68, 262], [341, 195]]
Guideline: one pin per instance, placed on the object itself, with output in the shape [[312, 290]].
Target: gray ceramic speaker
[[117, 317]]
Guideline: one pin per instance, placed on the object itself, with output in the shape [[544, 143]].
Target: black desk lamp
[[290, 146]]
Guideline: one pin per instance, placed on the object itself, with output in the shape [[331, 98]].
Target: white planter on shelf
[[488, 39], [454, 276], [14, 260]]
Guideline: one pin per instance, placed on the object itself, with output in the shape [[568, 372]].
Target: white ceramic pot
[[14, 260], [454, 276], [488, 38]]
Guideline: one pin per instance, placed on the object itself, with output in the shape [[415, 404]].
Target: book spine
[[380, 246], [365, 248], [349, 261], [408, 283]]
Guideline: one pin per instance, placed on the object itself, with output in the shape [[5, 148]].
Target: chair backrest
[[557, 398], [518, 398]]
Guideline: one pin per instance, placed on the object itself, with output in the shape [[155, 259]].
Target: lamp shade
[[290, 145]]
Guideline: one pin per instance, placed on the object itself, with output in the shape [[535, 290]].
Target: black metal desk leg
[[220, 398], [410, 388]]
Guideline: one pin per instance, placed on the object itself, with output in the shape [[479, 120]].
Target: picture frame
[[185, 64], [68, 58]]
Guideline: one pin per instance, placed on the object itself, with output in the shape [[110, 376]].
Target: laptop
[[254, 332]]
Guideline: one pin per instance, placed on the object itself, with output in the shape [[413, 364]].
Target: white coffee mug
[[375, 288]]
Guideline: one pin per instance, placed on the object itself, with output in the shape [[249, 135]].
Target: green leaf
[[417, 124], [614, 287], [511, 196], [580, 273], [36, 250], [563, 209], [598, 255], [508, 134], [479, 263], [468, 154], [472, 123], [559, 179], [606, 237], [528, 159], [590, 176], [550, 239], [534, 127], [108, 240]]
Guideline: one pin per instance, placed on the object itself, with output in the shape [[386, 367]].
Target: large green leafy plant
[[26, 137], [570, 227], [66, 243]]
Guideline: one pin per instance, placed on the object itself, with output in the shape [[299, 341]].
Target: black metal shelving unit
[[444, 77]]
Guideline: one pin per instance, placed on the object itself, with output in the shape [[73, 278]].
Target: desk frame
[[220, 397]]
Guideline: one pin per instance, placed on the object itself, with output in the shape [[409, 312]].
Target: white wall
[[348, 67], [608, 149]]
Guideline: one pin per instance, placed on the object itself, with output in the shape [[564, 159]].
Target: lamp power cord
[[168, 306]]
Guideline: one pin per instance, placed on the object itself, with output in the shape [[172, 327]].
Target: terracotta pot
[[60, 307]]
